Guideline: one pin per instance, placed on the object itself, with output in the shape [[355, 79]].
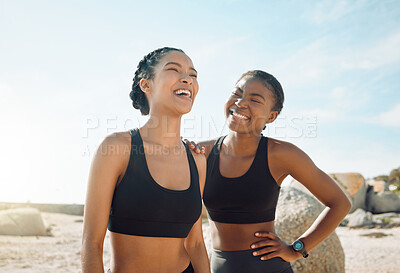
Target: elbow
[[347, 204], [342, 205]]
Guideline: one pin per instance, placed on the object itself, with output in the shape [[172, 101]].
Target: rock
[[378, 185], [297, 185], [22, 221], [381, 216], [344, 222], [296, 211], [353, 185], [359, 218], [384, 202], [72, 209], [386, 219]]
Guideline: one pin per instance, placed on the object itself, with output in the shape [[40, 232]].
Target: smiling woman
[[245, 171], [149, 197]]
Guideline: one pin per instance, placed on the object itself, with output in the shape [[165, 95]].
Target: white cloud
[[320, 60], [308, 64], [324, 115], [390, 118], [338, 92], [330, 11], [339, 105], [382, 53]]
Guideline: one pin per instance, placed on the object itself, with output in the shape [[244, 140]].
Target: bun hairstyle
[[269, 82], [145, 70]]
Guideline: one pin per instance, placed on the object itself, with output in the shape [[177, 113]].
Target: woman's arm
[[300, 166], [104, 172], [194, 243], [326, 190]]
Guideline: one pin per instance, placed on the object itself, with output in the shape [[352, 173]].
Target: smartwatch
[[298, 246]]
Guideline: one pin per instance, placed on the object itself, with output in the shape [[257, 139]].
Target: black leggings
[[244, 261], [188, 269]]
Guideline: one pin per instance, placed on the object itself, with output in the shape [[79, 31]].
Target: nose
[[241, 103], [187, 79]]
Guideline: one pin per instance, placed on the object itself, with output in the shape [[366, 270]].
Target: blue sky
[[66, 70]]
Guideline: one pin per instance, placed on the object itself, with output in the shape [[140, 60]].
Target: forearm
[[92, 258], [199, 258], [324, 225]]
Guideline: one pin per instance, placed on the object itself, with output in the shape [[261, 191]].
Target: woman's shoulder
[[116, 145], [280, 148], [117, 139]]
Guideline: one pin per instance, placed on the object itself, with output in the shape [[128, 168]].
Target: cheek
[[196, 88], [227, 105], [262, 114]]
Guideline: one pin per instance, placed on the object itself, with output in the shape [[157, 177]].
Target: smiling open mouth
[[183, 93], [239, 116]]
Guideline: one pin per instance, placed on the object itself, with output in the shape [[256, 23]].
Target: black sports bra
[[140, 206], [250, 198]]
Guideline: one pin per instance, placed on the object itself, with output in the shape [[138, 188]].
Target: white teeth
[[182, 91], [239, 115]]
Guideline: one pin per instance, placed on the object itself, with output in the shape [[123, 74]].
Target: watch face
[[298, 245]]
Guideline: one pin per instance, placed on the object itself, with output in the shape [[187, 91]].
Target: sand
[[378, 252]]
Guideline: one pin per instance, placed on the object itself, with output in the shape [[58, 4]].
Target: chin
[[240, 129], [237, 128], [184, 110]]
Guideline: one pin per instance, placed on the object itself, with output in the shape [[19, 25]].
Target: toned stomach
[[235, 237], [133, 254]]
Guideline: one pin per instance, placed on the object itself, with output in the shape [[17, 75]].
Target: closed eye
[[256, 101]]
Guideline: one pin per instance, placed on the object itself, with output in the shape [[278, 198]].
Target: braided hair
[[269, 82], [145, 70]]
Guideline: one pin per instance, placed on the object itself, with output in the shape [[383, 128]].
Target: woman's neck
[[162, 130], [241, 144]]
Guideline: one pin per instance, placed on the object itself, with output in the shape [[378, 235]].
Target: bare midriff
[[134, 254], [235, 237]]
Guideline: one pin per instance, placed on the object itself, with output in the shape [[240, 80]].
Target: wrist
[[298, 246], [297, 254]]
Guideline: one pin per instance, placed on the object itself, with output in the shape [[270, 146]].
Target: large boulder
[[384, 202], [22, 221], [353, 185], [296, 211], [359, 218], [378, 185]]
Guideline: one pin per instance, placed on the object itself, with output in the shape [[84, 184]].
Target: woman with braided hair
[[244, 173], [145, 185]]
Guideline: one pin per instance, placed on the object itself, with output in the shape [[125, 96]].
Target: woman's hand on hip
[[272, 246]]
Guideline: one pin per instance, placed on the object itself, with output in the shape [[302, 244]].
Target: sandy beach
[[366, 250]]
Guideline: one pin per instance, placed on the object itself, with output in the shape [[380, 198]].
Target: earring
[[263, 130]]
